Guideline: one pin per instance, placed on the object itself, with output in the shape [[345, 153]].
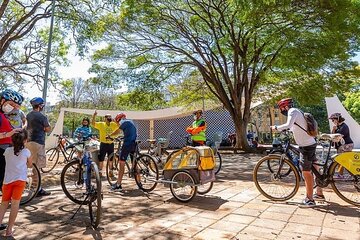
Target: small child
[[17, 160]]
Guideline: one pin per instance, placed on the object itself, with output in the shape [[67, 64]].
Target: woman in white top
[[17, 158]]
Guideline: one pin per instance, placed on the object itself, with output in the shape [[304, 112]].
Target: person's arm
[[9, 134], [115, 133], [289, 123], [47, 127], [201, 127], [93, 118], [29, 162]]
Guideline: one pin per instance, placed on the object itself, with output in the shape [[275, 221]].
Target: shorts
[[106, 149], [13, 190], [308, 154], [126, 150], [38, 153]]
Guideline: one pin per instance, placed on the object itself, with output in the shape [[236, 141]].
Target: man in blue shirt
[[128, 146]]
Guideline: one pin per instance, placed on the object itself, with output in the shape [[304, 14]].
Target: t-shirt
[[345, 131], [36, 122], [83, 133], [301, 137], [16, 168], [129, 129], [105, 130], [16, 117]]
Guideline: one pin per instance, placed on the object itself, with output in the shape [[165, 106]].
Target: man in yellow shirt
[[106, 144]]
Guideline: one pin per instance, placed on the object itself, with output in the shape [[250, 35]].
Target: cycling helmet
[[37, 101], [198, 111], [335, 116], [285, 102], [11, 95], [120, 116]]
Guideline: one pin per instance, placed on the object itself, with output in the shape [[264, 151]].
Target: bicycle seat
[[334, 137], [151, 140]]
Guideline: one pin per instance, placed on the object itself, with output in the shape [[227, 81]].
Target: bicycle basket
[[350, 160]]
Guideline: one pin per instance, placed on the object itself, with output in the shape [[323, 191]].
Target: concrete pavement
[[234, 209]]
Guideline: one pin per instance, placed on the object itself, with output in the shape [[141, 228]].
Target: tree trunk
[[241, 139]]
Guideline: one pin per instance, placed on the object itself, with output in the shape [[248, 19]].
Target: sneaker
[[319, 197], [116, 187], [43, 193], [307, 203], [111, 173], [3, 226]]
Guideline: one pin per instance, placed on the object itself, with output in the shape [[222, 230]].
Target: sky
[[77, 69]]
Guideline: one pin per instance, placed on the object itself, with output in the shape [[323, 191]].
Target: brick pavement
[[234, 209]]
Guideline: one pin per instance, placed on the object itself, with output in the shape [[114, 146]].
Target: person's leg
[[102, 154], [110, 154], [18, 188], [6, 189], [309, 184], [309, 157]]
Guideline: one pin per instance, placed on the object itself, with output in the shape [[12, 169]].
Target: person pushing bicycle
[[307, 144], [197, 129]]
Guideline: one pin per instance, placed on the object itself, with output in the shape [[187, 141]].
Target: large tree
[[236, 45]]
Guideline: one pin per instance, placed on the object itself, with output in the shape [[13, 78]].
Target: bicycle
[[53, 154], [143, 168], [81, 183], [282, 181], [32, 186], [158, 148], [214, 145]]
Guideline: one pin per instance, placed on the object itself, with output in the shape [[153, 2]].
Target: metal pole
[[47, 65]]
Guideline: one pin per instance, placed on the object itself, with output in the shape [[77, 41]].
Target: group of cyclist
[[22, 142], [296, 122]]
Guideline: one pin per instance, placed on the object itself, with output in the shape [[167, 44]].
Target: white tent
[[333, 105]]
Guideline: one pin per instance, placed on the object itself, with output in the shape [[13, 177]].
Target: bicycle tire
[[261, 171], [352, 182], [52, 160], [205, 188], [269, 162], [72, 182], [115, 169], [146, 172], [183, 181], [94, 204], [31, 187], [218, 162]]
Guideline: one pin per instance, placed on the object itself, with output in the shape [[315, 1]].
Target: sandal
[[11, 234]]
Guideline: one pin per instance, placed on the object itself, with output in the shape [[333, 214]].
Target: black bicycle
[[143, 168], [32, 186], [63, 146], [214, 145], [81, 183], [278, 179]]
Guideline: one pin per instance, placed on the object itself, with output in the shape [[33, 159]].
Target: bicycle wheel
[[95, 196], [183, 188], [146, 172], [279, 185], [52, 157], [72, 182], [32, 186], [112, 178], [205, 188], [218, 162], [345, 185]]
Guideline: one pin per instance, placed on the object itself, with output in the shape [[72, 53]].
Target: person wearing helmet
[[341, 127], [106, 144], [197, 129], [37, 127], [83, 132], [307, 144], [10, 100], [128, 147]]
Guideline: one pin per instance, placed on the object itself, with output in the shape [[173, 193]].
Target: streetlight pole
[[47, 65]]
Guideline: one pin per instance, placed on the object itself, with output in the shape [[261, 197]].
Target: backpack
[[312, 125]]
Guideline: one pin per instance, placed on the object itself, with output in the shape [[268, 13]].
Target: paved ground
[[234, 209]]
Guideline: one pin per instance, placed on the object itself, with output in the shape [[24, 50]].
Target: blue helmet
[[11, 95], [37, 101]]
